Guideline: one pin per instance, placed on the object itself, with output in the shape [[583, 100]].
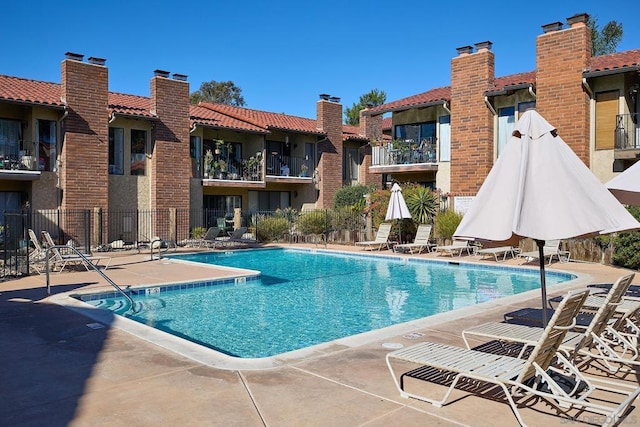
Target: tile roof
[[265, 119], [120, 103], [30, 91], [352, 133], [387, 123], [414, 101], [502, 83], [615, 60], [207, 117]]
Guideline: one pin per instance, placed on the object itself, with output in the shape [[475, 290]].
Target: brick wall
[[170, 162], [329, 117], [561, 57], [83, 170], [471, 121]]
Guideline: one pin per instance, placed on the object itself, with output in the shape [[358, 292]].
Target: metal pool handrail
[[87, 262]]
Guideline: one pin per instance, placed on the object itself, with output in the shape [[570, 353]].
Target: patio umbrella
[[539, 188], [626, 186], [397, 208]]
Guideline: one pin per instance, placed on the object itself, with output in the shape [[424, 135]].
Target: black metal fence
[[89, 229]]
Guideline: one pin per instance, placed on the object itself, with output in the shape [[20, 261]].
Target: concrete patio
[[59, 368]]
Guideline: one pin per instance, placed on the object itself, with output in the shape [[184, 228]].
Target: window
[[525, 106], [506, 124], [116, 151], [222, 204], [268, 200], [606, 112], [416, 132], [10, 136], [445, 138], [46, 144], [196, 156], [350, 163], [138, 153]]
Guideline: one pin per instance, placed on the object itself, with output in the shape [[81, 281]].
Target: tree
[[371, 99], [218, 92], [604, 41]]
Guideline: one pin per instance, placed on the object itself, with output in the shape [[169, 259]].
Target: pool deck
[[60, 367]]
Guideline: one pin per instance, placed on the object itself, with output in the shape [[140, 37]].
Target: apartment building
[[448, 138]]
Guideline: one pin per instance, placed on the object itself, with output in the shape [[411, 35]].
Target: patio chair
[[37, 256], [499, 251], [458, 246], [600, 341], [62, 259], [550, 249], [208, 240], [529, 378], [238, 237], [381, 240], [420, 243]]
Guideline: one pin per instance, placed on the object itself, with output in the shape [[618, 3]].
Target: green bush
[[272, 228], [315, 222], [347, 218], [627, 245], [446, 223], [198, 232], [422, 203], [351, 195]]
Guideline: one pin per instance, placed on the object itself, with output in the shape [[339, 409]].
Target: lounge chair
[[61, 259], [238, 237], [37, 256], [458, 246], [208, 240], [531, 377], [381, 240], [499, 251], [601, 340], [550, 249], [420, 243]]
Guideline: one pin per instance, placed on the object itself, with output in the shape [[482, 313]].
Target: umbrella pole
[[543, 282]]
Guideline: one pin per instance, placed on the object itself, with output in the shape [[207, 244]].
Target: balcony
[[18, 168], [627, 136], [289, 166], [400, 156]]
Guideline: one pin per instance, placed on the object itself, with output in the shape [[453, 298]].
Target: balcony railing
[[627, 133], [404, 153], [279, 165]]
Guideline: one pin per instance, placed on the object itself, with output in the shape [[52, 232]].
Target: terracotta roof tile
[[501, 83], [352, 133], [265, 119], [430, 96], [30, 91], [207, 117], [133, 105], [616, 60], [386, 123]]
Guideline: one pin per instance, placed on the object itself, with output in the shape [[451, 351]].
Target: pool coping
[[220, 360]]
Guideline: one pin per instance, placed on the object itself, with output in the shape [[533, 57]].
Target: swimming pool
[[304, 297]]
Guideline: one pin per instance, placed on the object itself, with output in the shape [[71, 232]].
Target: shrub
[[198, 232], [422, 203], [347, 218], [351, 195], [315, 222], [272, 228], [627, 245], [446, 223]]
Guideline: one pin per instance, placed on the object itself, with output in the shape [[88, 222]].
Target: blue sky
[[283, 53]]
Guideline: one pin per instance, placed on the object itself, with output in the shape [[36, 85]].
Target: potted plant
[[208, 164], [219, 143], [303, 170]]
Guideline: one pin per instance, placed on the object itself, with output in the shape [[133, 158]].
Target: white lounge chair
[[601, 340], [420, 243], [458, 246], [499, 251], [534, 376], [381, 240], [37, 256], [62, 259], [550, 249]]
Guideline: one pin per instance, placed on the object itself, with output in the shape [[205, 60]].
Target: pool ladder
[[86, 263]]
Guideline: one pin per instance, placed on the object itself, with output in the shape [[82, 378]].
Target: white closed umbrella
[[626, 186], [539, 188], [397, 208]]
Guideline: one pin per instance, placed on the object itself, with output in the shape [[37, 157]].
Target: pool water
[[303, 298]]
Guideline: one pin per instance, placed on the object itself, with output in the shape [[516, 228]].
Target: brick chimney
[[329, 119], [85, 152], [561, 57], [370, 128], [170, 160], [472, 74]]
